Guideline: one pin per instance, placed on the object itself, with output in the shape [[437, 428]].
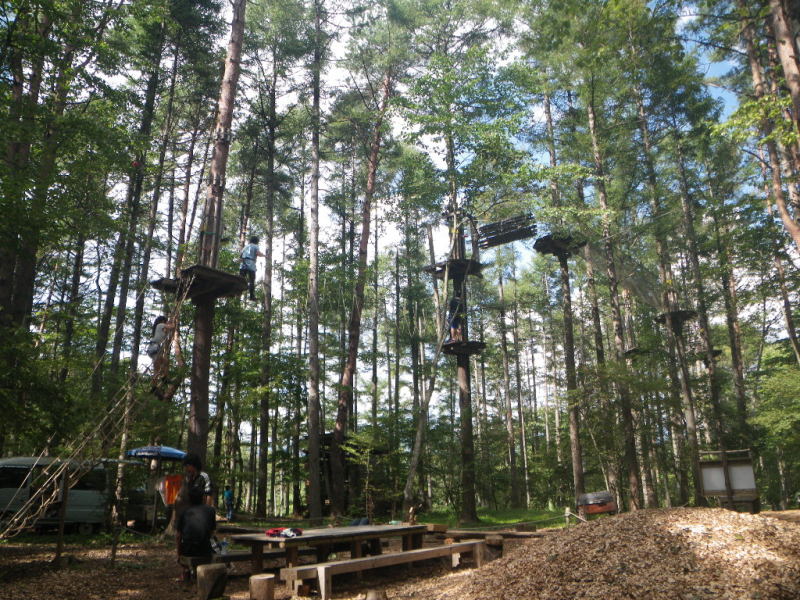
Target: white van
[[87, 500]]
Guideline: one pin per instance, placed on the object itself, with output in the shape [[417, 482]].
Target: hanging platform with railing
[[558, 245], [455, 268], [468, 348]]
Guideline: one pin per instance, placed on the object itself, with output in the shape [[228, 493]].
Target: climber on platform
[[247, 269]]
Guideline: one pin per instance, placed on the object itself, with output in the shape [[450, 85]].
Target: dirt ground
[[147, 570], [688, 554]]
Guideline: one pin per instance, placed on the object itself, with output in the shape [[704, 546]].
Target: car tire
[[84, 529]]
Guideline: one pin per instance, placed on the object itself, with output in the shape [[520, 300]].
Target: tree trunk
[[523, 439], [73, 302], [572, 379], [511, 449], [702, 310], [212, 221], [787, 51], [314, 475], [630, 459], [210, 236], [266, 330], [759, 89], [354, 327]]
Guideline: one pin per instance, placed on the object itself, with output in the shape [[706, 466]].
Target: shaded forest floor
[[689, 554]]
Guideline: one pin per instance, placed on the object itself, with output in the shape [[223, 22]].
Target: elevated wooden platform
[[455, 267], [678, 318], [201, 282], [558, 245], [469, 348], [637, 352]]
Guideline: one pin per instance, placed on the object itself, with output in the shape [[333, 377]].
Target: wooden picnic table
[[324, 539]]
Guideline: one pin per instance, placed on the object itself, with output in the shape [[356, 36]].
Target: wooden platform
[[556, 245], [455, 267], [468, 348], [678, 318], [201, 282], [323, 572]]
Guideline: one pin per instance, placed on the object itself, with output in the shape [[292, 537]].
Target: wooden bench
[[323, 572], [192, 562]]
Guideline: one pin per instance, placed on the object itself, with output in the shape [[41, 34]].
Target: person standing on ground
[[227, 496], [194, 528], [247, 269]]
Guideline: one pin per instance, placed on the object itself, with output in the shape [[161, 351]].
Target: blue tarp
[[162, 452]]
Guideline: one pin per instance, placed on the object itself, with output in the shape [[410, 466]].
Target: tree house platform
[[558, 245], [637, 352], [468, 348], [455, 267], [201, 282], [678, 318]]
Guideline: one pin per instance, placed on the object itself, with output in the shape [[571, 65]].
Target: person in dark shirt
[[194, 528], [456, 319]]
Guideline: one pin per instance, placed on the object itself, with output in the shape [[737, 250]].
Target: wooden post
[[324, 581], [257, 560], [291, 556], [478, 554], [262, 586], [494, 547], [62, 514], [211, 581]]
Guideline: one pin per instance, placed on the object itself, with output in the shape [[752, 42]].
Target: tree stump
[[211, 581], [262, 587]]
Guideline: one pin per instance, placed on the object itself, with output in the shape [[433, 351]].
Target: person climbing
[[161, 329], [247, 269], [227, 496], [193, 530], [456, 319]]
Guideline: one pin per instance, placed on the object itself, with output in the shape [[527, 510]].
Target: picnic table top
[[330, 534]]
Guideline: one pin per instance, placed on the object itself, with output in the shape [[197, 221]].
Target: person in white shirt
[[247, 269], [161, 329]]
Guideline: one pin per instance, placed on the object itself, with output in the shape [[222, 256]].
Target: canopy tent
[[160, 452]]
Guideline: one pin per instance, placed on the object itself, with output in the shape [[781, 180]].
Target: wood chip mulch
[[687, 554]]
